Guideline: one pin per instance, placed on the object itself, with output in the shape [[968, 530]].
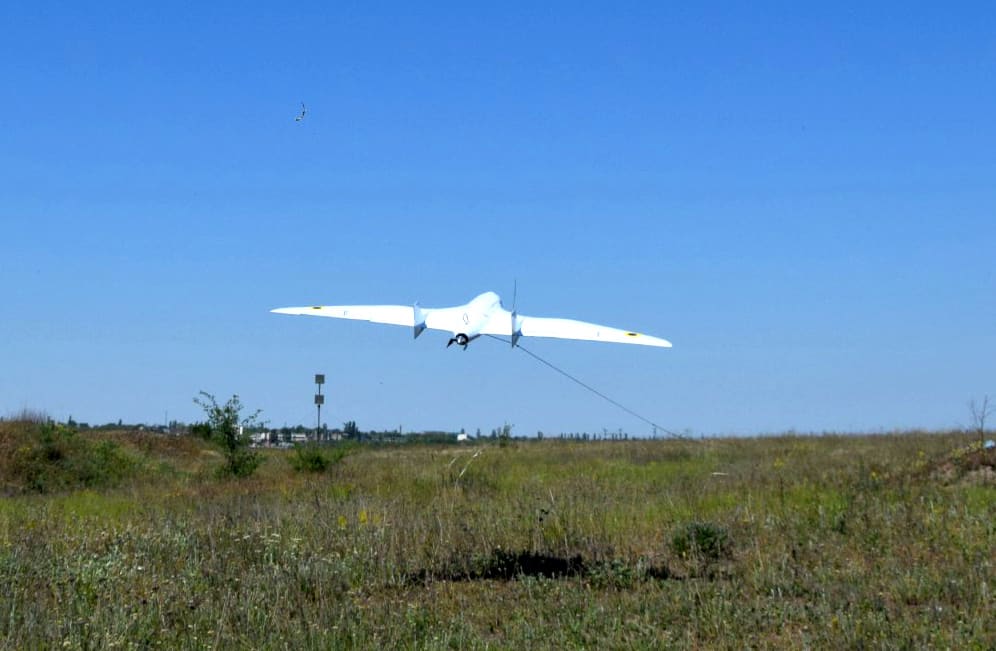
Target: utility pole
[[319, 401]]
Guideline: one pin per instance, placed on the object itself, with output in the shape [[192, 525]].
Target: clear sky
[[803, 200]]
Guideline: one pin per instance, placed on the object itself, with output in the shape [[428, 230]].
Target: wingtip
[[648, 340]]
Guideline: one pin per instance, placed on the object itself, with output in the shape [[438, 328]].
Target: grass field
[[882, 541]]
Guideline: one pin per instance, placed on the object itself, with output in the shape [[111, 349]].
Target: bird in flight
[[483, 315], [300, 116]]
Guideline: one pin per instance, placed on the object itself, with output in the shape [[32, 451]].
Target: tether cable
[[592, 389]]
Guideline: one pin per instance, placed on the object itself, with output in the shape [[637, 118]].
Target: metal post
[[319, 401]]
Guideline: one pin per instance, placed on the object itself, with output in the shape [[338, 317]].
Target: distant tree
[[228, 428], [504, 435], [980, 412], [350, 430]]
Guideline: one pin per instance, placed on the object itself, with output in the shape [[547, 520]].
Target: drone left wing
[[535, 326]]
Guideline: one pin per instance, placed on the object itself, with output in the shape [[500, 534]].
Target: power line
[[592, 389]]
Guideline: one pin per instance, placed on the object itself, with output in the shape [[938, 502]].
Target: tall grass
[[795, 542]]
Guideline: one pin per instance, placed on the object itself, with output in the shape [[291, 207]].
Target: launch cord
[[657, 428]]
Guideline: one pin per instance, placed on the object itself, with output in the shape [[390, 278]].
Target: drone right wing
[[402, 315]]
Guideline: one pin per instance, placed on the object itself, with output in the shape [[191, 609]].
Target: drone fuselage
[[472, 317]]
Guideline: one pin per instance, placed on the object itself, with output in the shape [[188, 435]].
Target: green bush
[[313, 458], [50, 457], [226, 426], [239, 463], [705, 540]]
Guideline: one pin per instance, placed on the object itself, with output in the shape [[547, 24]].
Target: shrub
[[312, 458], [48, 457], [225, 426], [704, 540]]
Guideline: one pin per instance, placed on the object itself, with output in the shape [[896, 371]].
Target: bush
[[47, 457], [224, 426], [703, 540], [239, 463], [312, 458]]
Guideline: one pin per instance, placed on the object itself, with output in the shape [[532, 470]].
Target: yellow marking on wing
[[632, 334]]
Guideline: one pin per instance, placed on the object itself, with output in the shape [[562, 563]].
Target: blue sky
[[800, 199]]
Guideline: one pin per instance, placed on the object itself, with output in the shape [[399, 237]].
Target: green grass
[[827, 542]]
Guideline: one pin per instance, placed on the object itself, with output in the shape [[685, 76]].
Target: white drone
[[484, 315]]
